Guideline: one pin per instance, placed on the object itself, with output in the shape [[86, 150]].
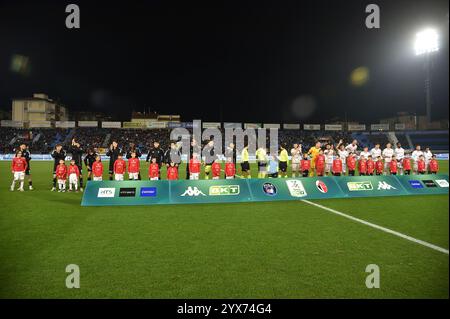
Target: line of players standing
[[118, 167], [341, 160]]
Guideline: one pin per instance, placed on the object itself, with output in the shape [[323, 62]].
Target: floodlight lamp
[[426, 42]]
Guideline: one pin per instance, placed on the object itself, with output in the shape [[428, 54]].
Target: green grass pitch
[[249, 250]]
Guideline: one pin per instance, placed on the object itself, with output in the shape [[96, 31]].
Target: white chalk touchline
[[387, 230]]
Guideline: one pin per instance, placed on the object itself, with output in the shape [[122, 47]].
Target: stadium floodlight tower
[[427, 42]]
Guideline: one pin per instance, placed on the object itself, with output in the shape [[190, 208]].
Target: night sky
[[242, 61]]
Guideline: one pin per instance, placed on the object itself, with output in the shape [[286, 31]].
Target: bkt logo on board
[[106, 192], [224, 190], [359, 186]]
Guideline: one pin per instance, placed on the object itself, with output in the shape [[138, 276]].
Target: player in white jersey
[[427, 155], [416, 154], [351, 148], [387, 154], [296, 156], [343, 154], [329, 156], [399, 155], [376, 151], [365, 153]]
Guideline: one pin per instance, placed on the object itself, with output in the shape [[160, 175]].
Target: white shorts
[[295, 166], [73, 179], [19, 175], [230, 177], [194, 176], [61, 181], [415, 166], [153, 178], [133, 176], [118, 177], [386, 165], [328, 167], [98, 178], [215, 177]]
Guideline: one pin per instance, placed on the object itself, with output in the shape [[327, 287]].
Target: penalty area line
[[384, 229]]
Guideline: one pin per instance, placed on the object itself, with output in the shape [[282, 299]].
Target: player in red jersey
[[133, 167], [305, 165], [433, 165], [320, 163], [362, 166], [74, 175], [194, 167], [370, 165], [153, 170], [379, 166], [406, 164], [97, 169], [120, 167], [172, 172], [61, 176], [216, 169], [351, 164], [337, 166], [230, 169], [393, 165], [18, 168], [421, 165]]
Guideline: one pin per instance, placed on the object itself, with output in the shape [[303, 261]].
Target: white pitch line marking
[[386, 230]]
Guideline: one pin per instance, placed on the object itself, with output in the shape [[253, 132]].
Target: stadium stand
[[436, 140]]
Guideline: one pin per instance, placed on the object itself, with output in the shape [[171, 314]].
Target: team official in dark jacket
[[77, 154], [113, 153], [89, 159], [57, 154], [156, 152]]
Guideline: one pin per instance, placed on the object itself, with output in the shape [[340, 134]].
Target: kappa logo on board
[[193, 191]]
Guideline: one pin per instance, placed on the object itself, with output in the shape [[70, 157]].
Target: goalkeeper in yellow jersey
[[314, 152]]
